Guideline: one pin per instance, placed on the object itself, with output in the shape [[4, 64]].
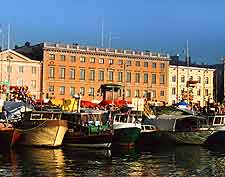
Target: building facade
[[69, 70], [199, 82], [19, 70]]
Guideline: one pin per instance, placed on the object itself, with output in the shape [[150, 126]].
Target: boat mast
[[187, 58], [177, 62], [2, 48]]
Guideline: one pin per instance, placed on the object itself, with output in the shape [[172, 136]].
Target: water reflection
[[182, 160], [142, 161]]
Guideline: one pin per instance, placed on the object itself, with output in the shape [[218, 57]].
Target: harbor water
[[148, 161]]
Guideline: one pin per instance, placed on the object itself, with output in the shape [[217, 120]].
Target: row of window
[[91, 92], [198, 91], [182, 79], [101, 75], [22, 70], [110, 61]]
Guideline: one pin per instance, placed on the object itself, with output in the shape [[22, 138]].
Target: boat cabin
[[125, 117], [216, 120], [41, 115], [89, 122], [190, 123]]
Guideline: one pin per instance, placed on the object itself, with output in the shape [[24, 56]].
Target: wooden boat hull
[[126, 137], [188, 137], [88, 141], [42, 133]]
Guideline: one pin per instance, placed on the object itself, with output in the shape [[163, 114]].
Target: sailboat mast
[[188, 64]]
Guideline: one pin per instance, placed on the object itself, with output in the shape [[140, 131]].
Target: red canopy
[[118, 103], [88, 104]]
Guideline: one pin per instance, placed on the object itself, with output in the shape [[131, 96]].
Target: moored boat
[[217, 122], [89, 128], [180, 127], [41, 128], [127, 129]]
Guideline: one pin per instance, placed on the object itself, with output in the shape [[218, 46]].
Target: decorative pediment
[[15, 57]]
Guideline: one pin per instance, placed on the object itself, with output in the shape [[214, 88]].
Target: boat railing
[[44, 115], [218, 119]]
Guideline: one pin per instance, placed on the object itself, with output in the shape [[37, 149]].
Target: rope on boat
[[21, 130]]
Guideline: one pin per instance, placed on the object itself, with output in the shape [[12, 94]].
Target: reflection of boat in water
[[7, 138], [179, 160], [88, 128], [84, 154], [38, 161], [129, 154], [41, 128]]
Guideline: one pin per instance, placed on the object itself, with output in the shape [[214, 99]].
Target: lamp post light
[[78, 97]]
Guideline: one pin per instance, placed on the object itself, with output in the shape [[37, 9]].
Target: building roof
[[27, 50], [23, 57]]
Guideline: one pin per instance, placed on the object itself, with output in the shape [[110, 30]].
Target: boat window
[[117, 118], [217, 120], [148, 127], [85, 118], [90, 123], [186, 125], [124, 118], [97, 123], [210, 120], [56, 116], [222, 120], [131, 119]]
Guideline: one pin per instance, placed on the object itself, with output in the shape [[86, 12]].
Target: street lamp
[[78, 97]]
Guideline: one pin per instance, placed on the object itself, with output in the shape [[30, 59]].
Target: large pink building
[[19, 70]]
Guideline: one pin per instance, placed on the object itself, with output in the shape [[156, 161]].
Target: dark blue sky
[[156, 25]]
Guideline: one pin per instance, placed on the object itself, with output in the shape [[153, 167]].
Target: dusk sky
[[155, 25]]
